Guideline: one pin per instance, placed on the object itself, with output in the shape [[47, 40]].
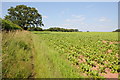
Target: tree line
[[117, 30], [57, 29], [62, 29]]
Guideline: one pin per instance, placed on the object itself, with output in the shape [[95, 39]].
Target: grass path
[[47, 62]]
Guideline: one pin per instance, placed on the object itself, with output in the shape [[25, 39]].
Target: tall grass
[[0, 55], [17, 54]]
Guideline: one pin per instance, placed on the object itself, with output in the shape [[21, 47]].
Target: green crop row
[[93, 53]]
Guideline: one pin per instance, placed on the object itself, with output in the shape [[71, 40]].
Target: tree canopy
[[24, 16], [61, 29], [35, 29], [118, 30]]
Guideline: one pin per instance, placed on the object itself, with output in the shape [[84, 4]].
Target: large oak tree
[[24, 16]]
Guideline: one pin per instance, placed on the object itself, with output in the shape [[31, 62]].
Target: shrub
[[8, 25], [35, 29]]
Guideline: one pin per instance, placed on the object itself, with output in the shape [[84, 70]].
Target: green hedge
[[8, 25], [35, 29]]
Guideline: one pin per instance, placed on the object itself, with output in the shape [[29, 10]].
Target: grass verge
[[17, 54]]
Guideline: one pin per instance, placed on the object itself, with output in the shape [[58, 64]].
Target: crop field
[[60, 54], [92, 54], [78, 40]]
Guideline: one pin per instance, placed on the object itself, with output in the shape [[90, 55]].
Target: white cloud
[[45, 17], [73, 20], [68, 20], [104, 19], [54, 26], [97, 24], [76, 18], [67, 25]]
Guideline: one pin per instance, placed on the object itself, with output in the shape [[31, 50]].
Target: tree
[[118, 30], [35, 29], [24, 16], [76, 30], [88, 31]]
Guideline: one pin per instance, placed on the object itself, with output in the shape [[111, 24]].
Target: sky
[[85, 16]]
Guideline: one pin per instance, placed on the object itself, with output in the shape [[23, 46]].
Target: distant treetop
[[118, 30]]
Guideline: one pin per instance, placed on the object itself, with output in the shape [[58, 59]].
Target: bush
[[38, 29], [8, 25], [35, 29]]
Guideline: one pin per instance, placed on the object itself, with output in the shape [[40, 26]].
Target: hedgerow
[[8, 25]]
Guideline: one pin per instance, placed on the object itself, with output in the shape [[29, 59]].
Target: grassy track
[[48, 62]]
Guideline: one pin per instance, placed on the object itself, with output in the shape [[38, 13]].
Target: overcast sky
[[85, 16]]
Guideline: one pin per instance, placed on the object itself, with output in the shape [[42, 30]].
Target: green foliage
[[61, 29], [118, 30], [35, 29], [24, 16], [8, 25], [17, 52]]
